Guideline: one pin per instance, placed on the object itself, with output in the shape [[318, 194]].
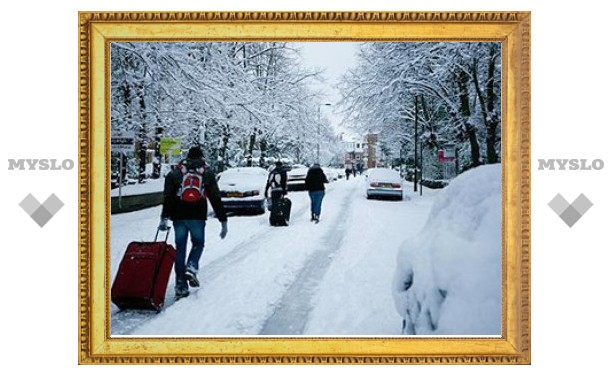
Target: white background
[[39, 119]]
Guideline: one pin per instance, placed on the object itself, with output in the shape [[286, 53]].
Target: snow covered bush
[[434, 184], [448, 278]]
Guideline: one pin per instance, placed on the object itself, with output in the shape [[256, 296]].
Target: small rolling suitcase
[[142, 277], [281, 211]]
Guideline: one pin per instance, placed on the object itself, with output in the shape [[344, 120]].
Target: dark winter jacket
[[177, 209], [283, 180], [315, 179]]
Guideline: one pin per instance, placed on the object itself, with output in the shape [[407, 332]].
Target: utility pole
[[319, 134]]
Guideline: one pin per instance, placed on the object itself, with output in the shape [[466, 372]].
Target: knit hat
[[195, 153]]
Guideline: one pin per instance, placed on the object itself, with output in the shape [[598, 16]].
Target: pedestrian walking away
[[315, 184], [277, 187], [277, 182], [347, 171], [186, 189]]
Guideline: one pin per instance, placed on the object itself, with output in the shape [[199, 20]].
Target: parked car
[[384, 183], [243, 189], [296, 177], [330, 173]]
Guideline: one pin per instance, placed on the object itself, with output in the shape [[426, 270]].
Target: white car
[[243, 189], [296, 177], [330, 173], [384, 183]]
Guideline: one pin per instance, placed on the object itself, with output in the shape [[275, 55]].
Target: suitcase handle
[[167, 234]]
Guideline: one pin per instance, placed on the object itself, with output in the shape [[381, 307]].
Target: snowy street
[[399, 110], [331, 278]]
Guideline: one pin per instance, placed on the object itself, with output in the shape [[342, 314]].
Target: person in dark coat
[[315, 184], [186, 206], [277, 182], [276, 185]]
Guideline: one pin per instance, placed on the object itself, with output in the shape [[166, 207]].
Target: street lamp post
[[319, 134]]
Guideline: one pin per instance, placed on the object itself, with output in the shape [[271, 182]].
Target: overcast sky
[[335, 58]]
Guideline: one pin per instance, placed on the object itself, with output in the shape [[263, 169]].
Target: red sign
[[444, 159]]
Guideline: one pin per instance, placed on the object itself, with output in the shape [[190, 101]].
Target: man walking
[[277, 185], [185, 191]]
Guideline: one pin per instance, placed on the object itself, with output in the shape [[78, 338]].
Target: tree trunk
[[251, 148], [464, 95], [142, 153], [426, 115], [487, 106], [469, 128], [474, 145], [416, 138], [493, 117], [263, 147], [224, 148]]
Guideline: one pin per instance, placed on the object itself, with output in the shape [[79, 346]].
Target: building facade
[[360, 152]]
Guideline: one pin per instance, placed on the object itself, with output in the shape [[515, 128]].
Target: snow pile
[[149, 186], [448, 280]]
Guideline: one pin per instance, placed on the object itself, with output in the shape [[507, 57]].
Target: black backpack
[[275, 180]]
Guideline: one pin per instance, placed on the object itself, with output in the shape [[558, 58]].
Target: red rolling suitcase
[[142, 277]]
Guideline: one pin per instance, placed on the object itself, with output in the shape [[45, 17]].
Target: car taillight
[[374, 184], [394, 185]]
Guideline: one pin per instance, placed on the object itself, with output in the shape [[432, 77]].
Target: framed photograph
[[304, 188]]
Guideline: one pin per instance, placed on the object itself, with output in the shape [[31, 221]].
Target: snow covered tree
[[241, 101], [448, 91]]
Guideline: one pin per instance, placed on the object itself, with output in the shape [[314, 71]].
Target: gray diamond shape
[[570, 216], [53, 204], [558, 204], [29, 204], [582, 204], [42, 216]]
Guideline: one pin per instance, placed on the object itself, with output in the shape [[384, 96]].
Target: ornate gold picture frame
[[98, 29]]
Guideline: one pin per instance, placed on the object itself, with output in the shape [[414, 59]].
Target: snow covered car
[[296, 177], [243, 189], [448, 279], [384, 183]]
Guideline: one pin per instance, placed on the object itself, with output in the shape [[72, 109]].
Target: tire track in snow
[[213, 269], [292, 311]]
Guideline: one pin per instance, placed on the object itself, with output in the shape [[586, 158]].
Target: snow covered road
[[331, 278]]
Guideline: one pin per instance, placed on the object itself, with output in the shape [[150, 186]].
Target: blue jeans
[[182, 228], [316, 198]]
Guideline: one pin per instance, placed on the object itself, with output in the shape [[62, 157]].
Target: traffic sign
[[123, 142], [170, 146]]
